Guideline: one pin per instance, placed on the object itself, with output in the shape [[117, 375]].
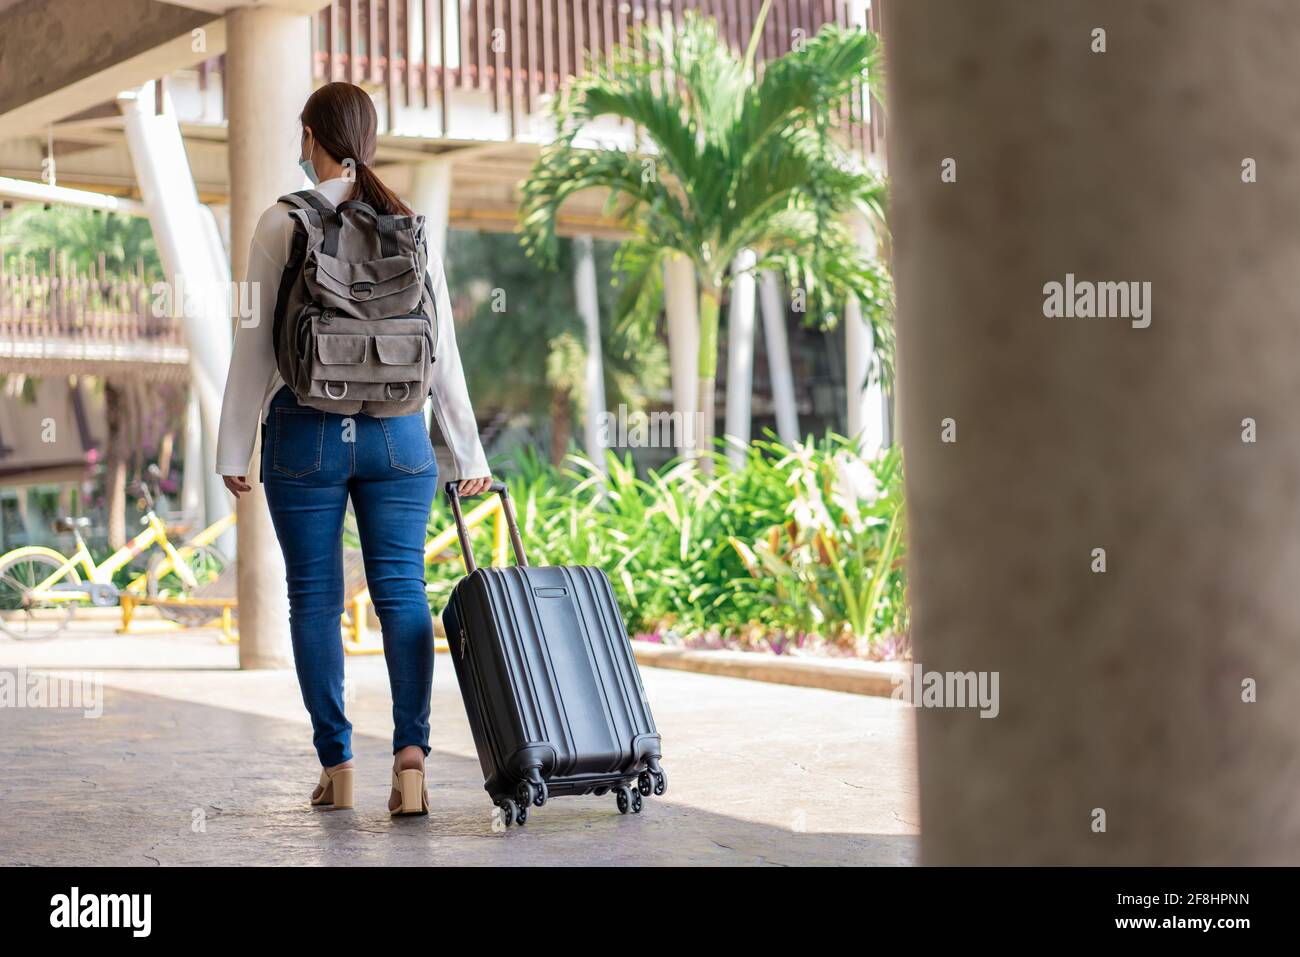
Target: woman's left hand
[[474, 486]]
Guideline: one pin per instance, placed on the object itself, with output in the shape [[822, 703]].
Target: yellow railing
[[356, 630]]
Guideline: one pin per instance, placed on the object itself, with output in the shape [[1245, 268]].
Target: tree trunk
[[561, 424], [705, 427], [1121, 692], [681, 306]]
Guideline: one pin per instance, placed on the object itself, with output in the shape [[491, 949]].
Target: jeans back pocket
[[299, 435], [409, 448]]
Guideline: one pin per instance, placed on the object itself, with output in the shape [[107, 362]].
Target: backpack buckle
[[361, 290], [326, 389], [388, 390]]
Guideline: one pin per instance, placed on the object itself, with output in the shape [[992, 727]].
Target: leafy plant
[[802, 547]]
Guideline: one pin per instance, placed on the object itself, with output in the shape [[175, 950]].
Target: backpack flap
[[375, 289]]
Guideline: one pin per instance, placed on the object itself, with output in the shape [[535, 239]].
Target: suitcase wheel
[[527, 793], [512, 813], [627, 799], [653, 781]]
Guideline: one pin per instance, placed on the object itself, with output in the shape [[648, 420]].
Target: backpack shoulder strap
[[307, 199], [312, 206], [320, 213]]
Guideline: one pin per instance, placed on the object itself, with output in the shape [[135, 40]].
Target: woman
[[312, 462]]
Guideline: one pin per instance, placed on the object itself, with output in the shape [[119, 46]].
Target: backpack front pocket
[[401, 351]]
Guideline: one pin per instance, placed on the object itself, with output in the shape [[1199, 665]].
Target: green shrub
[[801, 549]]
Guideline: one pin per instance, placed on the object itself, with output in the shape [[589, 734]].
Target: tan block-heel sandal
[[336, 787], [410, 785]]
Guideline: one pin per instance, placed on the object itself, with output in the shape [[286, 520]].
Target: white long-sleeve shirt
[[253, 379]]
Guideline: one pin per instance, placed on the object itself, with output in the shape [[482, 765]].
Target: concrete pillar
[[431, 195], [740, 357], [268, 59], [197, 275], [221, 216], [1128, 732], [681, 303], [777, 345], [584, 286]]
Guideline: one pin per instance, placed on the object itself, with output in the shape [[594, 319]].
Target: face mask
[[309, 170]]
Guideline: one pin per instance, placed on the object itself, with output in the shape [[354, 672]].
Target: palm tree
[[738, 162]]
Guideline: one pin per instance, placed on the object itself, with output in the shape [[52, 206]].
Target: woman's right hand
[[236, 484]]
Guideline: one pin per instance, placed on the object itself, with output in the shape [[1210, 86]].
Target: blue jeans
[[311, 463]]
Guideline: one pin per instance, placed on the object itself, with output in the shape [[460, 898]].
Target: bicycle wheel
[[205, 564], [22, 616]]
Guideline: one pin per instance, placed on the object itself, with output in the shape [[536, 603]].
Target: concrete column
[[740, 358], [584, 285], [1128, 730], [197, 275], [777, 345], [268, 58], [431, 195], [681, 302]]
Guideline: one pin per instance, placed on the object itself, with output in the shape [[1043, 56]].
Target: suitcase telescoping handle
[[453, 495]]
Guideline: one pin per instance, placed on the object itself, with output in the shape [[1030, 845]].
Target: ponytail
[[370, 189]]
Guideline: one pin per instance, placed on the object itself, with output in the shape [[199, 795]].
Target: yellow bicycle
[[40, 588]]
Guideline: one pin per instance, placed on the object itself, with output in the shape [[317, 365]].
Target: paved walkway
[[193, 762]]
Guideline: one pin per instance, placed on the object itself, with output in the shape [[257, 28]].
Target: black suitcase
[[550, 685]]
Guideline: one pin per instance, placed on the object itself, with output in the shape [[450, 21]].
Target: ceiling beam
[[61, 57]]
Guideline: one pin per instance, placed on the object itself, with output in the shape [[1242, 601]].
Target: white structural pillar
[[584, 287], [194, 471], [740, 357], [431, 195], [867, 409], [778, 358], [268, 60], [198, 276], [867, 412], [681, 302]]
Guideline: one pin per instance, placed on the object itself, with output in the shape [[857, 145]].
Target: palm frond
[[639, 276]]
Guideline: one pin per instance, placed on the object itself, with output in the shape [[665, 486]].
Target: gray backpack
[[355, 322]]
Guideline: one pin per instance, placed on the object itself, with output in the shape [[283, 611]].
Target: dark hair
[[343, 121]]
